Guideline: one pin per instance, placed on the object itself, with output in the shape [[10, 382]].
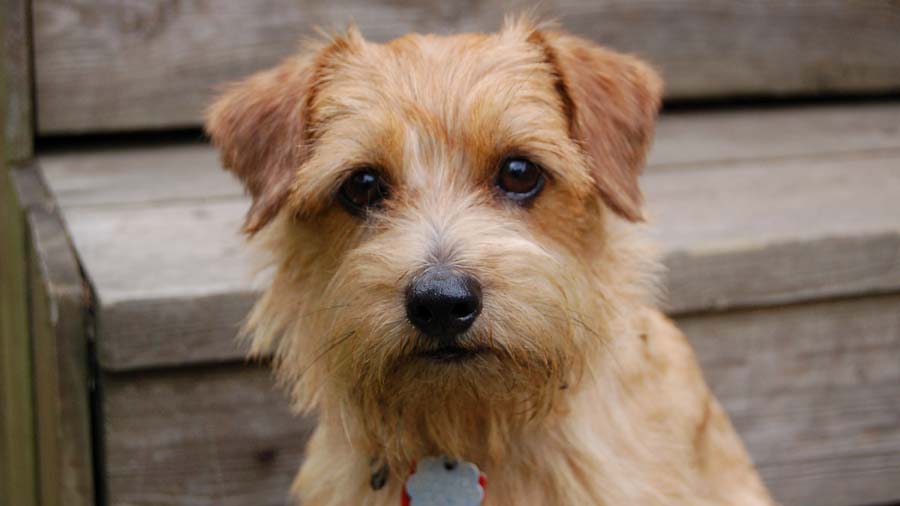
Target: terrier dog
[[460, 270]]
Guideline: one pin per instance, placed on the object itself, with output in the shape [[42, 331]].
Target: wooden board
[[17, 457], [61, 366], [16, 120], [57, 305], [142, 175], [713, 138], [108, 65], [200, 437], [160, 173], [815, 392], [760, 233], [173, 280], [18, 481], [811, 388]]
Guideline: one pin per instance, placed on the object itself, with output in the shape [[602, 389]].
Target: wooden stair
[[780, 228]]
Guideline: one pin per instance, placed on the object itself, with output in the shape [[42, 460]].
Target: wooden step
[[812, 389], [148, 65], [776, 207], [781, 229]]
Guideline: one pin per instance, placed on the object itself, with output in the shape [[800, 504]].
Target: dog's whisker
[[328, 349]]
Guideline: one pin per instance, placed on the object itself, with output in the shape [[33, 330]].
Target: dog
[[462, 272]]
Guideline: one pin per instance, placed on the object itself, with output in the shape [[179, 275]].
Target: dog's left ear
[[612, 100]]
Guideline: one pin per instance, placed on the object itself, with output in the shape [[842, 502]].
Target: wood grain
[[173, 280], [57, 306], [18, 481], [162, 173], [61, 373], [811, 388], [110, 65], [141, 175], [759, 233], [717, 137], [203, 437], [16, 80]]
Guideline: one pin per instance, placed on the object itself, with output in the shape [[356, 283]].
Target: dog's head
[[449, 219]]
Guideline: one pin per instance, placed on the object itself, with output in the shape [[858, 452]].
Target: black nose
[[443, 303]]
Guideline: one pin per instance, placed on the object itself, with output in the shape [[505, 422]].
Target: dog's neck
[[590, 409], [590, 433]]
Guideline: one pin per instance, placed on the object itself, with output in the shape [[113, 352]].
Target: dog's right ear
[[259, 126]]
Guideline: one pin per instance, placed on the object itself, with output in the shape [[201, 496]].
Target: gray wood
[[775, 232], [811, 388], [172, 281], [61, 376], [693, 139], [202, 437], [57, 304], [166, 172], [132, 175], [18, 480], [16, 80], [108, 65], [742, 234], [17, 456]]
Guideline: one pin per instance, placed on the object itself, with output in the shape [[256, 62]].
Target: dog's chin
[[467, 398], [452, 354]]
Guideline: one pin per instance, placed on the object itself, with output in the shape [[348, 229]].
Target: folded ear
[[259, 126], [612, 101]]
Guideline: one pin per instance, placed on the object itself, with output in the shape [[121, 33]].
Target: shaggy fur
[[588, 395]]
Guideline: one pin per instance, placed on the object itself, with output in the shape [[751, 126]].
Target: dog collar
[[440, 481]]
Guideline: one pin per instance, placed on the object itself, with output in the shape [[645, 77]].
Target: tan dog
[[460, 270]]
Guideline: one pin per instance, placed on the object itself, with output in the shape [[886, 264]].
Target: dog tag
[[438, 481]]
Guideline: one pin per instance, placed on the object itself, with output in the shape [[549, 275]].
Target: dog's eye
[[520, 179], [362, 190]]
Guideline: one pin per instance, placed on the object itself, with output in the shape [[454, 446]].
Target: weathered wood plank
[[58, 305], [57, 308], [693, 139], [811, 388], [815, 391], [149, 316], [109, 65], [149, 332], [739, 235], [16, 80], [766, 233], [166, 172], [62, 397], [139, 175], [207, 437], [18, 482], [17, 454]]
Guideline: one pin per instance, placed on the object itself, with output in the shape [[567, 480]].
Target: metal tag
[[438, 481]]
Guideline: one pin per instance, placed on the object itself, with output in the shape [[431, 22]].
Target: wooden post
[[59, 317], [16, 72], [17, 451], [18, 460]]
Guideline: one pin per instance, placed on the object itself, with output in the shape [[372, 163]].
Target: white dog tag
[[438, 481]]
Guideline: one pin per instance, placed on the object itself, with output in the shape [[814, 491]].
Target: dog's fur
[[589, 395]]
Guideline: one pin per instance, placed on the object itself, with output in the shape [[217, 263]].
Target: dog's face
[[447, 219]]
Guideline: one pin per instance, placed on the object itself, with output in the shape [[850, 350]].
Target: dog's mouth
[[451, 354]]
